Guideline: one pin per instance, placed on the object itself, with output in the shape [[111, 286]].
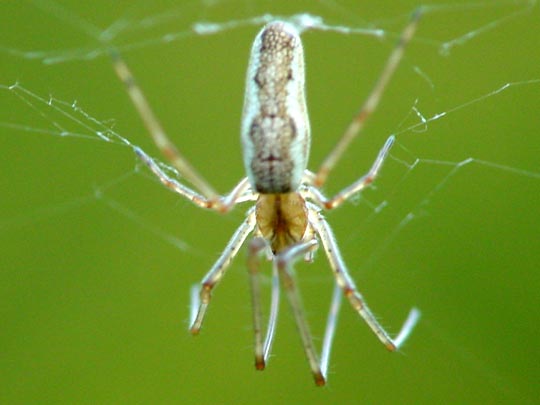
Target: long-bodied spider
[[287, 220]]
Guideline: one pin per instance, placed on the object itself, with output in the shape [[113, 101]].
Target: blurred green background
[[95, 293]]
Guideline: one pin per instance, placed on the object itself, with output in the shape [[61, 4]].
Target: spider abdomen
[[275, 125]]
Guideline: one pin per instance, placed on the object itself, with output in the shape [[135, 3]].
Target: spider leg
[[358, 122], [239, 194], [331, 324], [350, 291], [214, 276], [157, 133], [284, 262], [357, 186], [262, 350]]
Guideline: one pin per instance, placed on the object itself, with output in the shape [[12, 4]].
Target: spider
[[286, 220]]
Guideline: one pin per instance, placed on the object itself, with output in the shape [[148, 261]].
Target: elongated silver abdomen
[[275, 125]]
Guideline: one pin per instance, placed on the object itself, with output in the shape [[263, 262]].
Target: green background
[[94, 298]]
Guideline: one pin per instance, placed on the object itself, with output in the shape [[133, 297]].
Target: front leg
[[200, 302], [356, 300]]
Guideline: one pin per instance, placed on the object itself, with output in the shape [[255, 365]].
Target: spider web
[[92, 242]]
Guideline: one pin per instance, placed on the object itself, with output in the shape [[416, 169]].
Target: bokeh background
[[98, 259]]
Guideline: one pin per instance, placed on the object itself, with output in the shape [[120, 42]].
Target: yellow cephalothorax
[[281, 219]]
